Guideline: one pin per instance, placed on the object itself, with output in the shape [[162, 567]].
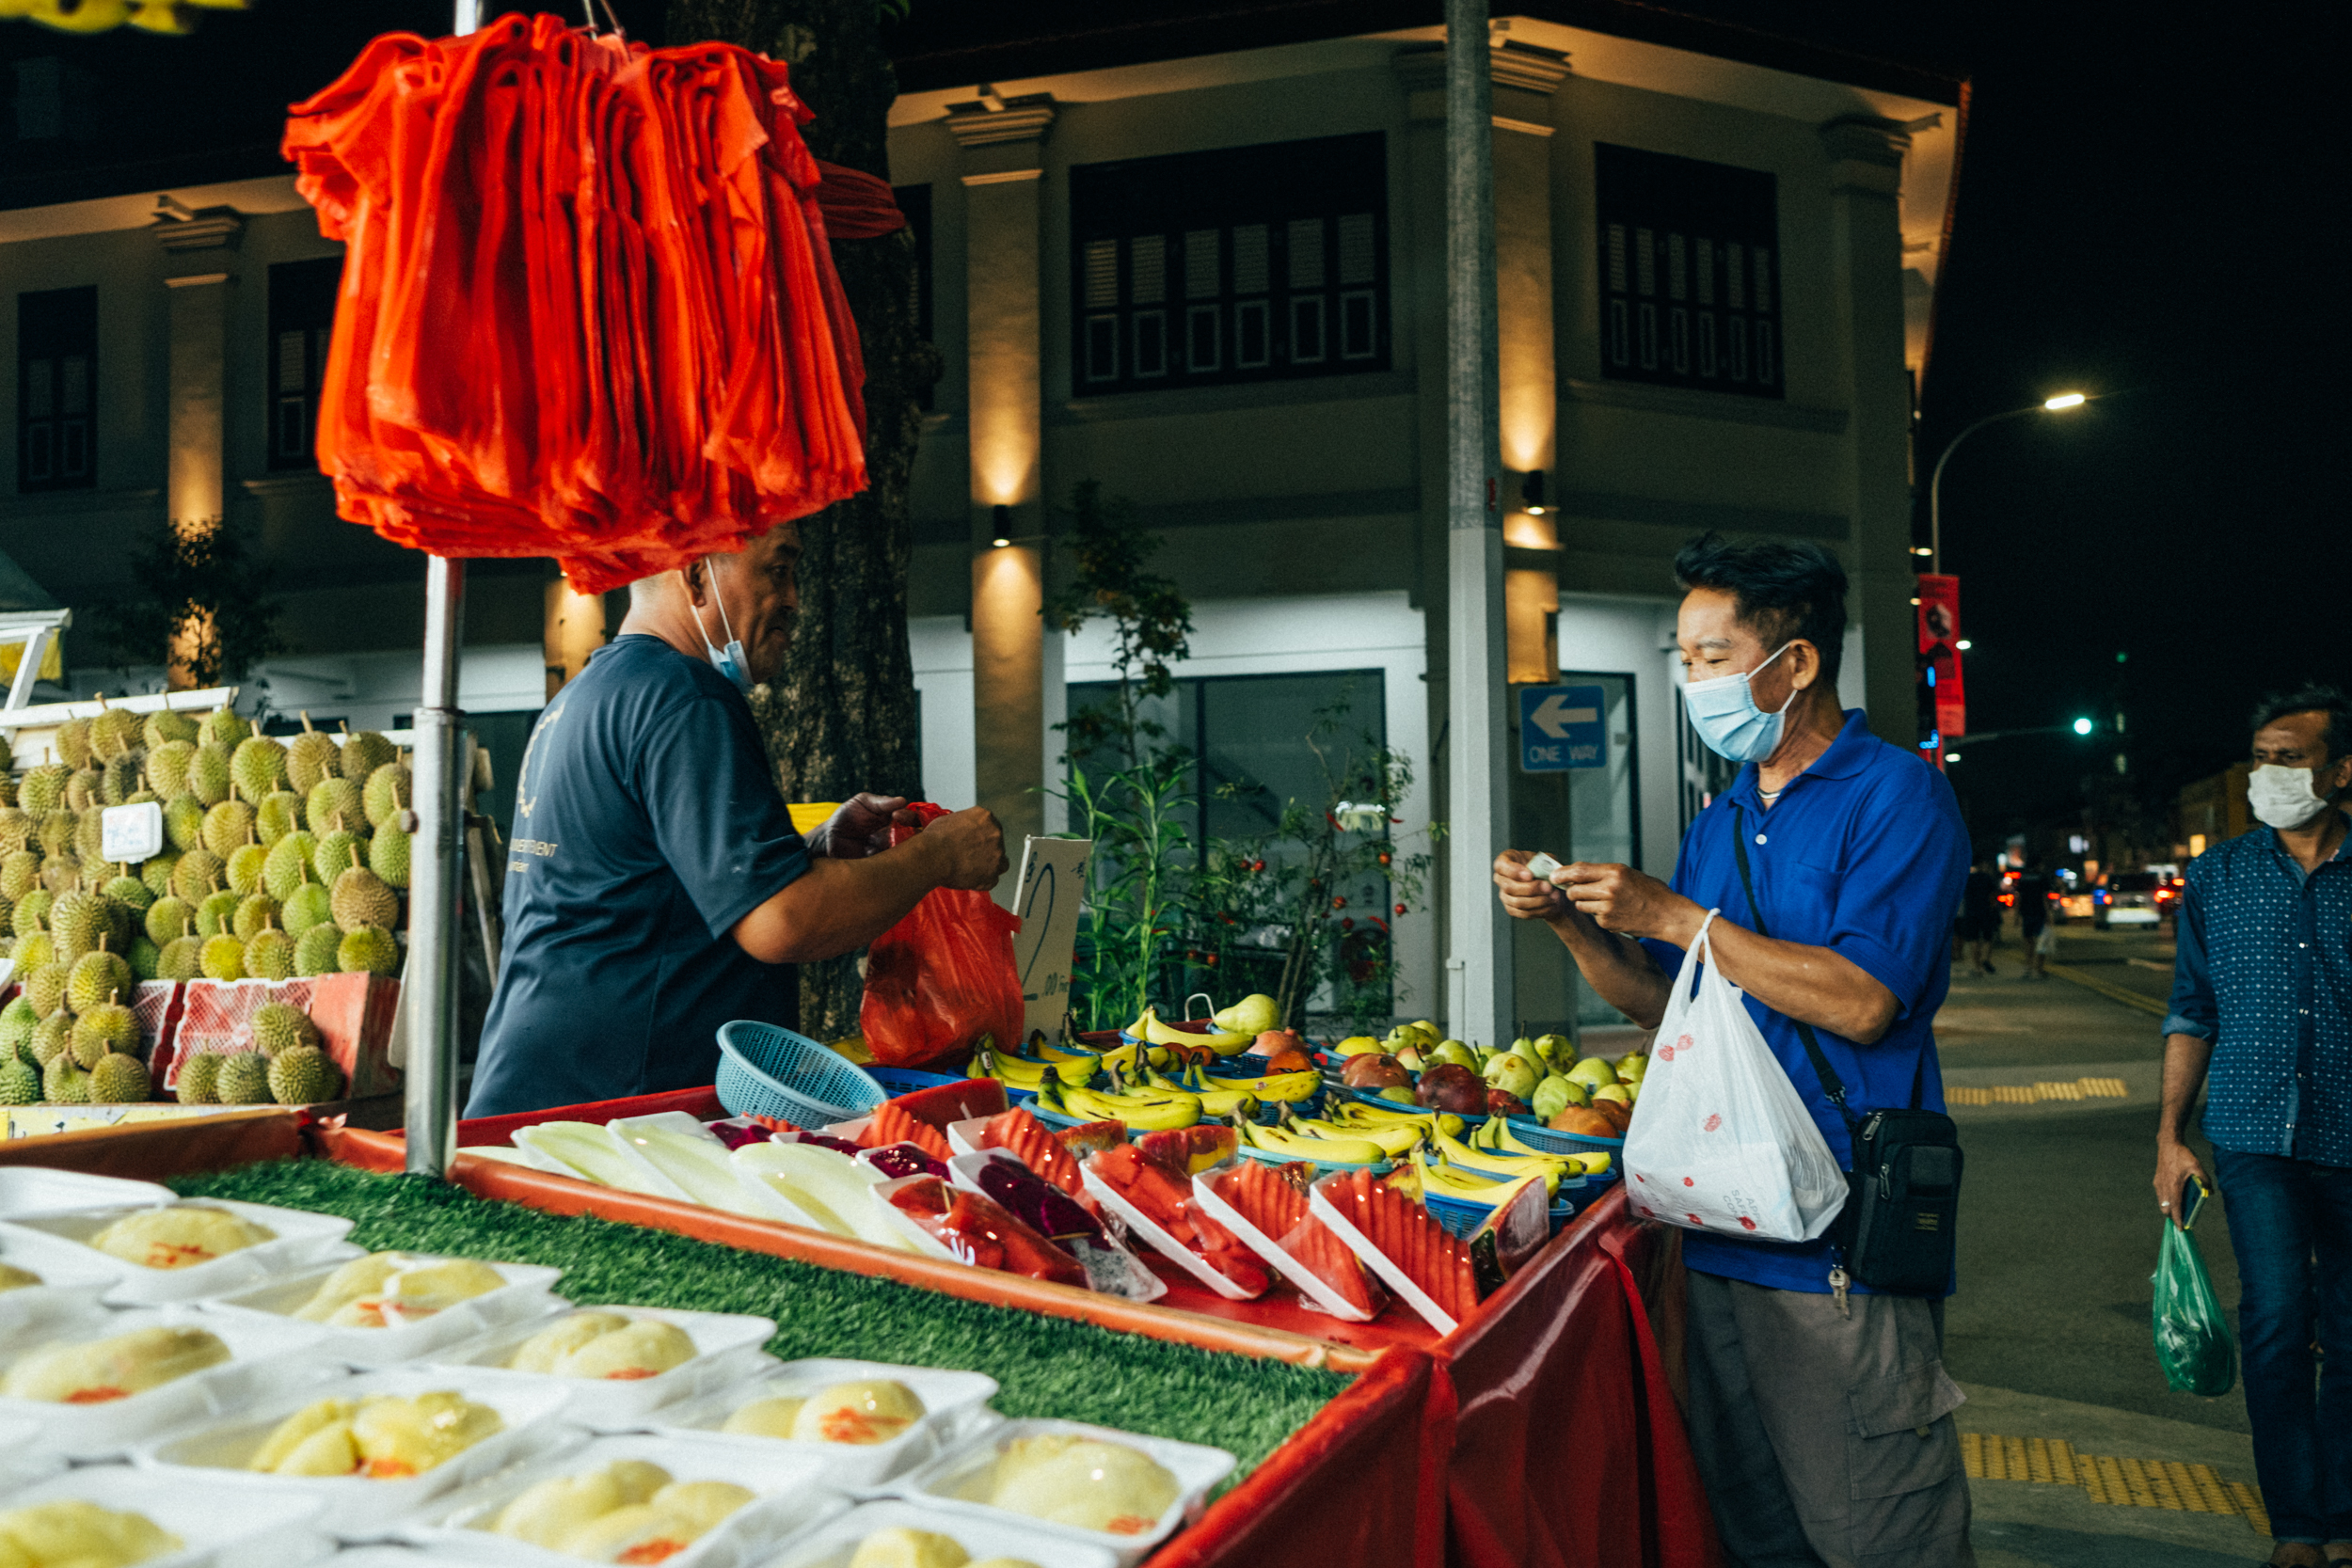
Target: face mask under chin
[[730, 661]]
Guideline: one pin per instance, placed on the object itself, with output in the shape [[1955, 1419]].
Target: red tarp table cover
[[1558, 1379]]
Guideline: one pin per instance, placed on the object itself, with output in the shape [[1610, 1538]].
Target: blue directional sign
[[1562, 727]]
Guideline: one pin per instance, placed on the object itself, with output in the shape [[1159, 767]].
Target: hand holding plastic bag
[[942, 977], [1721, 1140], [2193, 1342]]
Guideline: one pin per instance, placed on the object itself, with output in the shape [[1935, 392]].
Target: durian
[[167, 768], [399, 1437], [904, 1546], [867, 1411], [119, 1080], [75, 1532], [303, 1428], [84, 787], [304, 1076], [332, 798], [77, 920], [244, 1080], [98, 978], [147, 960], [198, 873], [318, 950], [646, 1348], [360, 899], [105, 1028], [387, 855], [223, 727], [44, 789], [179, 1236], [306, 906], [270, 955], [157, 872], [36, 951], [543, 1515], [257, 766], [121, 778], [131, 894], [19, 873], [92, 1371], [30, 913], [369, 950], [199, 1079], [338, 850], [363, 753], [16, 1022], [45, 988], [168, 917], [277, 815], [183, 959], [551, 1344], [63, 1081], [244, 868], [113, 733], [309, 757], [227, 827], [53, 1038], [216, 914], [184, 822], [56, 831], [253, 915], [389, 791], [1082, 1482], [73, 742], [278, 1026], [223, 957], [166, 726], [208, 774], [289, 865]]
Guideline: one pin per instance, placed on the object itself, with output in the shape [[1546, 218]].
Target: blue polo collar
[[1846, 756]]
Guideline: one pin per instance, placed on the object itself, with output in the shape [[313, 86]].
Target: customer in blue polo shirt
[[1820, 1412], [2262, 996]]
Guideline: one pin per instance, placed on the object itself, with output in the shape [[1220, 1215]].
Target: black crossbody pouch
[[1899, 1226]]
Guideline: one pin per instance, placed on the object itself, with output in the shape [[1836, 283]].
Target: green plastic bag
[[2193, 1342]]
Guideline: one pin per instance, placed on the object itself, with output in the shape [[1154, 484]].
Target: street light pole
[[2057, 405]]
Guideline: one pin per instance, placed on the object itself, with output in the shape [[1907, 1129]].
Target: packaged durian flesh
[[94, 1371], [604, 1345], [382, 1436], [625, 1512], [180, 1236], [71, 1532]]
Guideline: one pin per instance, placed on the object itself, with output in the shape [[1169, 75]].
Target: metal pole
[[1478, 785], [435, 871], [1935, 483]]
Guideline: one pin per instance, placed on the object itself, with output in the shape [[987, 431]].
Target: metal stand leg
[[443, 763]]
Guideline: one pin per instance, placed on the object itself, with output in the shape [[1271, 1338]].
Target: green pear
[[1402, 1095], [1512, 1073], [1252, 1015], [1592, 1072], [1527, 1047], [1619, 1092], [1457, 1052], [1553, 1095], [1630, 1067], [1411, 1055], [1557, 1051]]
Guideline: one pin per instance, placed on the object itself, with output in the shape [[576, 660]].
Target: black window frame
[[1691, 281], [56, 390], [301, 325], [1231, 265]]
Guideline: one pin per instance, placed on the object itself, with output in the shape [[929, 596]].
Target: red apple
[[1373, 1070], [1272, 1042], [1450, 1087]]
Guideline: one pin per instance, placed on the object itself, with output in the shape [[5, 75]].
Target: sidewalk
[[2049, 1335]]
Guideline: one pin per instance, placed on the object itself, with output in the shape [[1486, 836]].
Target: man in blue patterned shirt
[[2261, 995]]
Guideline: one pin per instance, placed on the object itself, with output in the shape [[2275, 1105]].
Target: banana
[[1366, 1113], [1017, 1073], [1153, 1113], [1504, 1141], [1328, 1151], [1437, 1181], [1151, 1029], [1218, 1105], [1396, 1138], [1287, 1087], [1504, 1166], [1058, 1053]]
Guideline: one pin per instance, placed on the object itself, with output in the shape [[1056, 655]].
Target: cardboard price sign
[[1047, 897]]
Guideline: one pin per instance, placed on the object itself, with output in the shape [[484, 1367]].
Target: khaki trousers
[[1826, 1438]]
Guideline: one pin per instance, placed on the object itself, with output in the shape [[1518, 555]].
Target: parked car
[[2134, 899]]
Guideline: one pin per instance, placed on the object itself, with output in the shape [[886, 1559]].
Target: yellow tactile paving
[[2033, 1094], [2057, 1091], [2109, 1479], [2111, 1088]]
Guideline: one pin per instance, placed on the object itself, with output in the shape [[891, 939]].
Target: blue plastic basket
[[896, 1081], [1463, 1219], [1535, 1134], [767, 1071], [1371, 1097]]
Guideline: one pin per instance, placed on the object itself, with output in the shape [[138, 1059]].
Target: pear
[[1631, 1067], [1553, 1095], [1253, 1014], [1592, 1072], [1512, 1073], [1619, 1092], [1412, 1058], [1457, 1052]]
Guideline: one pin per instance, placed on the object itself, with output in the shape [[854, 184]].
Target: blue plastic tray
[[1535, 1134], [1463, 1219], [906, 1080], [771, 1071], [1269, 1157], [1371, 1097]]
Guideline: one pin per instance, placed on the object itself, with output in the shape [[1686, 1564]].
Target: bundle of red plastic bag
[[587, 308]]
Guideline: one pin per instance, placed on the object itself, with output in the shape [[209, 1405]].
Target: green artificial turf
[[1049, 1367]]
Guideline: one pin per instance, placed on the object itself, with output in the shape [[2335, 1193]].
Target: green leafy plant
[[1150, 624], [197, 601]]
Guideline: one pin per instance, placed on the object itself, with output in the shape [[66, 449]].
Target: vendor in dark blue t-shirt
[[655, 886]]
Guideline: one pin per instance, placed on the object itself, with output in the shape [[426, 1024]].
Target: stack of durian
[[282, 859]]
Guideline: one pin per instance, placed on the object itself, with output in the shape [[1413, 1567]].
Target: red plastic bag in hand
[[942, 977]]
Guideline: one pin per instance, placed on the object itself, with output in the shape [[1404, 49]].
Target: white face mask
[[730, 660], [2282, 797], [1723, 710]]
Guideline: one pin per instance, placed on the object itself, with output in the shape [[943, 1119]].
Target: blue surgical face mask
[[1724, 712], [730, 660]]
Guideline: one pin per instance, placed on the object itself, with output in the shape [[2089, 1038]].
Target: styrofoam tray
[[302, 1239], [834, 1542], [943, 1481], [896, 1221], [260, 1532], [358, 1507], [628, 1133], [27, 1190], [630, 1173], [262, 1362], [1139, 1224], [528, 1293], [953, 1402], [23, 1459], [789, 1500], [1321, 1296], [727, 1347], [72, 1279], [1377, 1261]]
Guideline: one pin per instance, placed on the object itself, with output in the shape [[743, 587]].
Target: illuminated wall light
[[1914, 601], [1004, 527], [1532, 492]]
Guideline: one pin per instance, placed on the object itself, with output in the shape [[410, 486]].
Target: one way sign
[[1562, 727]]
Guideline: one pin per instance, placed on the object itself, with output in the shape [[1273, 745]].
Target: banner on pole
[[1940, 652]]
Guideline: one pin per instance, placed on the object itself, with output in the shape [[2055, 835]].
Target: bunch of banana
[[1502, 1167], [1358, 1113], [1039, 1049], [1151, 1029], [1495, 1136], [1396, 1138], [1149, 1111], [1219, 1103], [1287, 1089], [1321, 1151], [1017, 1073], [1440, 1180]]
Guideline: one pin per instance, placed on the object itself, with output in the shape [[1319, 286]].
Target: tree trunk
[[841, 718]]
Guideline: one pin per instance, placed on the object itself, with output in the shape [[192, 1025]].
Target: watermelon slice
[[1165, 1198], [941, 1104], [1268, 1198], [891, 1124], [1026, 1138], [1190, 1151], [1421, 1248]]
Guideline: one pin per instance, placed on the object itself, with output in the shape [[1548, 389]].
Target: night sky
[[2151, 210]]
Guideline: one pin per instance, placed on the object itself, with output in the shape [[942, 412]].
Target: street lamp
[[2082, 726], [2057, 405]]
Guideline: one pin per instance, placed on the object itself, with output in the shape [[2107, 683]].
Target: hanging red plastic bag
[[942, 978]]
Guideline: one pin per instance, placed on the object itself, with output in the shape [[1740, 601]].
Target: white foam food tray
[[23, 1458], [956, 1479], [894, 1226], [954, 1403], [27, 1190], [1142, 1226], [1319, 1295], [833, 1543], [72, 1279], [789, 1501], [587, 1152], [358, 1507], [301, 1238], [262, 1362], [692, 1160], [527, 1293], [259, 1532], [726, 1345]]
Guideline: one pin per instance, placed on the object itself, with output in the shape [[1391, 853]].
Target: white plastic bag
[[1719, 1139]]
